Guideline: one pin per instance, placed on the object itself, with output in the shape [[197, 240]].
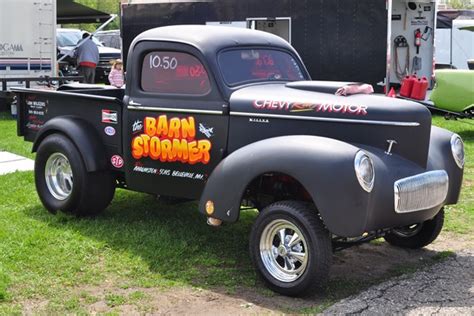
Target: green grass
[[139, 243], [460, 217], [8, 139]]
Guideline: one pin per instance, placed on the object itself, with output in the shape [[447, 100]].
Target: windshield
[[71, 38], [254, 65]]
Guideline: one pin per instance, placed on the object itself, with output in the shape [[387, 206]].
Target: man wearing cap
[[87, 55]]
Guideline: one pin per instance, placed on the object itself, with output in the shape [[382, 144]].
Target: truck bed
[[100, 107]]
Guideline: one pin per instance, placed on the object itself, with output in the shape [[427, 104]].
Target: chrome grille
[[421, 192]]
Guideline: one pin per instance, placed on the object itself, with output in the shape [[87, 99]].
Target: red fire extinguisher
[[418, 37], [407, 86]]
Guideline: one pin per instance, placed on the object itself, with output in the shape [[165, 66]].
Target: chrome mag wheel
[[59, 178], [284, 250]]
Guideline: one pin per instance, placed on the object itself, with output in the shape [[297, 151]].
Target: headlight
[[457, 148], [364, 169]]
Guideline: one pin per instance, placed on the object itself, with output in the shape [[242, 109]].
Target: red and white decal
[[109, 117], [117, 161]]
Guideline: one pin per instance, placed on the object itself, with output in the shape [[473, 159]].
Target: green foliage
[[108, 6], [460, 4]]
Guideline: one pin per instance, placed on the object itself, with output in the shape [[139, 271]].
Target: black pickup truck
[[230, 117]]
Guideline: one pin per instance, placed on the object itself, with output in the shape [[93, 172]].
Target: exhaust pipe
[[214, 222]]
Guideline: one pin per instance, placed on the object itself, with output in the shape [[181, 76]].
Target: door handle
[[134, 103]]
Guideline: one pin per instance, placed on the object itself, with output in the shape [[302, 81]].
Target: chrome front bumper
[[421, 192]]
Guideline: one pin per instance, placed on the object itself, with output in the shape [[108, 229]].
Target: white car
[[67, 39]]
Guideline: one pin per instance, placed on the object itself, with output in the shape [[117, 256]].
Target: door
[[176, 131], [278, 26]]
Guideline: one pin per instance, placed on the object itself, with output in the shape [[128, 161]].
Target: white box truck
[[27, 42], [27, 38]]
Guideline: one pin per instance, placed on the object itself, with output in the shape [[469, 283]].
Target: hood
[[312, 108], [103, 50], [108, 50]]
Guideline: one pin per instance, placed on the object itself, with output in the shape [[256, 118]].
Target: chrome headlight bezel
[[457, 149], [364, 170]]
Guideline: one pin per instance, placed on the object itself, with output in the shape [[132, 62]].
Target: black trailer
[[338, 39]]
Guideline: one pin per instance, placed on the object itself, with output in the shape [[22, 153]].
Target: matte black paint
[[78, 116], [315, 147], [82, 134]]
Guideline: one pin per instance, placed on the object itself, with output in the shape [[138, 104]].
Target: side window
[[174, 73]]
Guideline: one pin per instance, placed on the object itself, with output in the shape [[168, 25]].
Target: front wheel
[[291, 248], [63, 183], [417, 235]]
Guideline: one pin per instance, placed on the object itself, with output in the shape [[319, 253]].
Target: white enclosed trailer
[[27, 38]]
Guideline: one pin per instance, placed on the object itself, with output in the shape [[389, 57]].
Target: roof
[[446, 17], [69, 11], [207, 38]]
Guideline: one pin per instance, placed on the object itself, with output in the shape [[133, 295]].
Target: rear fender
[[323, 166], [82, 134]]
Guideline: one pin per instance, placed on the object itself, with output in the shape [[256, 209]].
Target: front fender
[[440, 157], [325, 167], [82, 134]]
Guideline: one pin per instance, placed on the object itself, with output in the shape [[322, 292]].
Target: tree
[[461, 4], [108, 6]]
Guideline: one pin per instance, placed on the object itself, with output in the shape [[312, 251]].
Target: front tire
[[291, 249], [63, 183], [417, 235]]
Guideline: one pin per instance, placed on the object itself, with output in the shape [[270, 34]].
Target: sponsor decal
[[168, 172], [276, 105], [109, 130], [109, 116], [37, 107], [36, 112], [171, 140], [137, 126], [117, 161], [207, 131]]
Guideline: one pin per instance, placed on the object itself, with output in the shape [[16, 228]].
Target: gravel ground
[[447, 288]]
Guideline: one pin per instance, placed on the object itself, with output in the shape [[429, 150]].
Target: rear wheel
[[417, 235], [291, 248], [63, 183]]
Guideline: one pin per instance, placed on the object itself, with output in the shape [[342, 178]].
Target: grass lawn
[[136, 243]]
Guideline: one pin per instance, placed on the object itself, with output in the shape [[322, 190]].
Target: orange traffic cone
[[392, 93]]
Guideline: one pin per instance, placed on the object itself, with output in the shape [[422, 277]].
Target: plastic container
[[420, 87], [407, 86]]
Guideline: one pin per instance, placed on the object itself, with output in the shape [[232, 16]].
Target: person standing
[[87, 55], [116, 74]]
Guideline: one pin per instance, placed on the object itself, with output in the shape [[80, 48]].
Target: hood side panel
[[271, 110]]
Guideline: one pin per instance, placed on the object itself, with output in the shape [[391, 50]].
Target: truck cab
[[231, 118]]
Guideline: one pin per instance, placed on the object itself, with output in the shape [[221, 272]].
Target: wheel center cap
[[282, 251]]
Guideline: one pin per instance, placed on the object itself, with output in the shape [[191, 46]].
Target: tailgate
[[37, 107]]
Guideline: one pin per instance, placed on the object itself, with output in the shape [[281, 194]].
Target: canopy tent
[[445, 21], [446, 17], [69, 11]]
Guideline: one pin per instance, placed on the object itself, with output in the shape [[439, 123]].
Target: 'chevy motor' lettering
[[353, 109]]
